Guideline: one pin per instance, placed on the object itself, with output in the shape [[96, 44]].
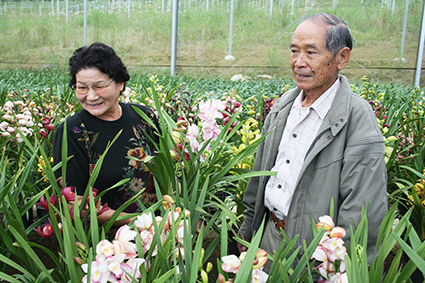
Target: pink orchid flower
[[104, 249], [144, 221], [123, 243], [231, 263], [259, 276]]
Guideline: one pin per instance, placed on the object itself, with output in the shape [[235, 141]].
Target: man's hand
[[240, 246]]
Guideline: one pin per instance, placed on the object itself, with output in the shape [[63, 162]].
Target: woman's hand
[[240, 246]]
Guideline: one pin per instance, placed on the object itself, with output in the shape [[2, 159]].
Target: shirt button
[[287, 161], [274, 208], [279, 186], [294, 136]]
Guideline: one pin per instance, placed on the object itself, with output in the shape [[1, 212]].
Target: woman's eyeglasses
[[97, 87]]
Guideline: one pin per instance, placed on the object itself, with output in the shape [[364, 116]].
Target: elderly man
[[324, 143]]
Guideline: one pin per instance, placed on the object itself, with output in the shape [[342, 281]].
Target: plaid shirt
[[301, 128]]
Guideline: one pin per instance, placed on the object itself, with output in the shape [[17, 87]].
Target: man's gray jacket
[[345, 162]]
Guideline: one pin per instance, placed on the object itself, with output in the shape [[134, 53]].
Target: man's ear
[[342, 57]]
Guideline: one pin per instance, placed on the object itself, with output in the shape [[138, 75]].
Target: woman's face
[[98, 94]]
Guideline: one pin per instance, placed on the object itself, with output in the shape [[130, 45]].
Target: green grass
[[144, 38]]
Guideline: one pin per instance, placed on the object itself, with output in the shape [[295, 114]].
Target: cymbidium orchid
[[326, 222], [232, 263], [68, 193], [201, 130], [18, 120], [147, 239], [45, 203], [124, 242], [104, 249], [119, 260], [144, 221], [98, 272], [110, 264], [46, 231], [330, 251], [132, 269]]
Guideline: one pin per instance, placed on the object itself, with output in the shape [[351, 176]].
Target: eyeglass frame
[[93, 87]]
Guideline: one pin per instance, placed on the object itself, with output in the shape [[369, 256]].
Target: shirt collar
[[323, 103]]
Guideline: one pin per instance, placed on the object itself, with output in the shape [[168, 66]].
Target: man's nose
[[300, 60]]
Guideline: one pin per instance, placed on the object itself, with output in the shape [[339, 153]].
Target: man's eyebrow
[[313, 46]]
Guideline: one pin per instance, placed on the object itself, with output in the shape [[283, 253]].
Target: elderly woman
[[98, 76]]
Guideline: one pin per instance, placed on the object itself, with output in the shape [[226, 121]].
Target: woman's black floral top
[[88, 138]]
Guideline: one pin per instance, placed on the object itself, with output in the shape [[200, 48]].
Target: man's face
[[313, 66]]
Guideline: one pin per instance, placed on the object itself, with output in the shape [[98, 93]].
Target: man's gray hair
[[339, 34]]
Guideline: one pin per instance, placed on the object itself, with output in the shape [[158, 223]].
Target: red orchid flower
[[45, 204], [68, 193], [47, 231]]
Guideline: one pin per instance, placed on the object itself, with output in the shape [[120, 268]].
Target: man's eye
[[81, 87]]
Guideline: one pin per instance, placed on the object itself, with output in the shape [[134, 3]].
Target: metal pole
[[420, 50], [67, 11], [271, 9], [292, 9], [129, 7], [174, 32], [53, 8], [208, 5], [85, 22], [57, 9], [406, 13], [393, 6], [163, 7], [232, 5]]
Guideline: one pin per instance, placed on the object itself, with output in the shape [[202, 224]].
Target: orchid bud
[[168, 199], [204, 276], [209, 267], [337, 232], [81, 246], [326, 222], [79, 260], [186, 213], [260, 262]]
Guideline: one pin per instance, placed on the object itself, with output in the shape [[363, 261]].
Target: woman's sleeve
[[77, 172]]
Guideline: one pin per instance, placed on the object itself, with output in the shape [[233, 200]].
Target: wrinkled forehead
[[310, 32]]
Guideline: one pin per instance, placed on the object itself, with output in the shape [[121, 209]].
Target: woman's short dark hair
[[338, 36], [100, 56]]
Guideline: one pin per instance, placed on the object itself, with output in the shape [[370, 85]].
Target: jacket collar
[[338, 114]]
